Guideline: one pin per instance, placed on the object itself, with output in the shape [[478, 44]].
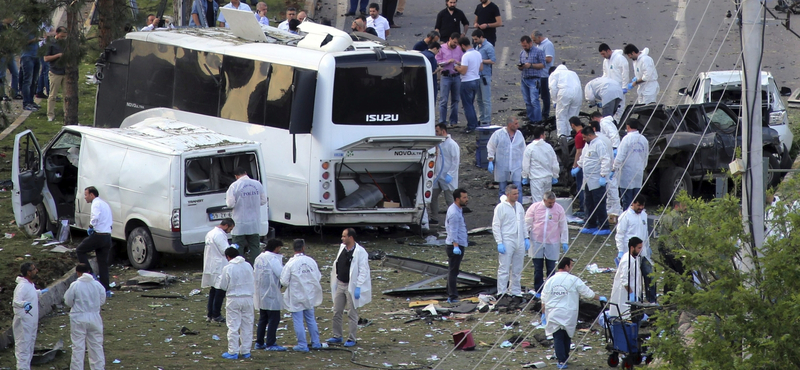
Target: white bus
[[345, 127]]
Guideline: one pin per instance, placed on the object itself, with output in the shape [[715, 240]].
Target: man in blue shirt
[[545, 45], [29, 63], [483, 46], [531, 65], [456, 241], [422, 45], [430, 54], [204, 13]]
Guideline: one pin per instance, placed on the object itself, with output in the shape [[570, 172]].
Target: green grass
[[794, 125]]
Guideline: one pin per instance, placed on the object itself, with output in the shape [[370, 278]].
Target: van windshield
[[393, 91], [214, 174]]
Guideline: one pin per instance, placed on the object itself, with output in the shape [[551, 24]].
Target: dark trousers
[[492, 40], [268, 321], [249, 246], [453, 266], [581, 191], [29, 76], [100, 244], [389, 7], [561, 343], [544, 93], [649, 284], [360, 4], [538, 277], [44, 80], [626, 197], [596, 208], [215, 298], [610, 109]]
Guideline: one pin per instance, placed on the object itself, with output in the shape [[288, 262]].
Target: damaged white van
[[165, 181]]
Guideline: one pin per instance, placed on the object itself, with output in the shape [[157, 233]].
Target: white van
[[165, 181]]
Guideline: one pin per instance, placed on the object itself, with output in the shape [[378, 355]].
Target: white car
[[726, 87]]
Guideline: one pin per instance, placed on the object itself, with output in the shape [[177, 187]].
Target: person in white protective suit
[[511, 236], [561, 299], [247, 197], [595, 162], [303, 292], [565, 89], [633, 222], [606, 94], [26, 315], [448, 157], [237, 281], [613, 207], [546, 223], [630, 162], [505, 150], [351, 286], [268, 299], [628, 281], [85, 295], [617, 68], [646, 76], [213, 262], [608, 127], [539, 165]]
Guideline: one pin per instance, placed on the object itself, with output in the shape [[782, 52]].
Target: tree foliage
[[743, 317]]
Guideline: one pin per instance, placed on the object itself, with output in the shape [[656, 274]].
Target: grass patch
[[794, 125]]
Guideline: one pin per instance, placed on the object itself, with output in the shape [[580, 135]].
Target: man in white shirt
[[628, 282], [448, 158], [261, 13], [238, 283], [85, 295], [246, 196], [633, 223], [561, 299], [291, 13], [539, 165], [377, 21], [469, 68], [213, 262], [99, 239], [234, 4]]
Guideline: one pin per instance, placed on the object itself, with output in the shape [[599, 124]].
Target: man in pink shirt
[[547, 225], [450, 85]]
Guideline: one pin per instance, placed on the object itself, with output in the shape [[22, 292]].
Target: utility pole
[[752, 30]]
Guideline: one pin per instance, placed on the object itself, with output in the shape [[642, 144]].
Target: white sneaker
[[50, 119]]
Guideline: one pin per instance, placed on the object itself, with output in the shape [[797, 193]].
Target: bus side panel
[[110, 104]]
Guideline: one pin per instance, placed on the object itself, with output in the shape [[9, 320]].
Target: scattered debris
[[187, 331], [163, 296], [376, 255], [470, 283], [45, 355], [194, 292], [215, 337], [480, 230], [61, 249], [593, 269], [539, 364]]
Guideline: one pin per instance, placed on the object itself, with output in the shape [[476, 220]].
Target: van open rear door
[[27, 175]]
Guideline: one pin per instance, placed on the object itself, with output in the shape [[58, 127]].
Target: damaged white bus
[[345, 127]]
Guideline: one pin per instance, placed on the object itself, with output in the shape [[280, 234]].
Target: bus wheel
[[141, 249]]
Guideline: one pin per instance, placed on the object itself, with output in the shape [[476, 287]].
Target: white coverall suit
[[303, 292], [565, 89], [605, 90], [645, 70], [613, 206], [85, 295], [508, 228], [448, 157], [540, 167], [629, 274], [631, 161], [238, 283], [618, 69], [25, 323], [507, 156]]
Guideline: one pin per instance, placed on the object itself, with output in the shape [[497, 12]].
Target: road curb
[[22, 117]]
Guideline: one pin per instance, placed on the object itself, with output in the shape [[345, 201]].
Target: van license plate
[[216, 216]]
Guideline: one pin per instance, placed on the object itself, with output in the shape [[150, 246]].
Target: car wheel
[[39, 223], [141, 249], [673, 181], [773, 178]]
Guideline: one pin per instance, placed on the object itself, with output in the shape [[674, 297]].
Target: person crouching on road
[[268, 300], [26, 315], [213, 262], [351, 286], [508, 228], [238, 283], [85, 295], [301, 278]]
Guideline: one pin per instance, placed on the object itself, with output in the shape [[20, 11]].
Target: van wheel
[[773, 178], [141, 249], [39, 223], [671, 181]]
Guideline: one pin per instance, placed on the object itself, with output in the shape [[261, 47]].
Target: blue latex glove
[[625, 90], [615, 152], [634, 79], [555, 180], [491, 167], [501, 248], [448, 178], [527, 244], [554, 106], [611, 177], [575, 171], [630, 86], [27, 307], [43, 291], [457, 251], [631, 297], [544, 320], [90, 231], [620, 254], [525, 181], [357, 293], [565, 247], [603, 181], [603, 299], [236, 246]]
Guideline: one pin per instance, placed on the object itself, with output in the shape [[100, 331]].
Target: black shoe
[[41, 95], [468, 131], [36, 105], [466, 210], [18, 96], [6, 98], [348, 14], [433, 222], [398, 14]]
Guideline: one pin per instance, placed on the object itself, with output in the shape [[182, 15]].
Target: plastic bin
[[482, 136]]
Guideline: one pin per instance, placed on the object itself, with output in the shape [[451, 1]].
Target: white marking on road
[[509, 13], [504, 58], [340, 10]]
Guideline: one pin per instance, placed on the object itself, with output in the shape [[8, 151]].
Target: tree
[[742, 318], [113, 15]]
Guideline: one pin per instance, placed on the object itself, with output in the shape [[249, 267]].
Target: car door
[[725, 125], [704, 156], [27, 175]]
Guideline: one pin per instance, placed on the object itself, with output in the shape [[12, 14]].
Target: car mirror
[[682, 91], [785, 91]]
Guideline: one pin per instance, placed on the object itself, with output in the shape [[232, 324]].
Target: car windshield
[[655, 121]]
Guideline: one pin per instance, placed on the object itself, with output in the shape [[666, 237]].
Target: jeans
[[300, 330], [503, 185], [626, 196], [469, 89], [561, 343], [530, 94], [453, 267], [435, 88], [30, 69], [485, 100], [544, 91], [44, 79], [538, 278], [268, 321], [9, 63], [596, 208], [450, 88], [214, 306], [249, 246], [100, 244], [649, 284], [611, 108], [581, 191], [362, 7]]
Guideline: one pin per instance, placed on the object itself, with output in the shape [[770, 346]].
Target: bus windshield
[[389, 92]]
